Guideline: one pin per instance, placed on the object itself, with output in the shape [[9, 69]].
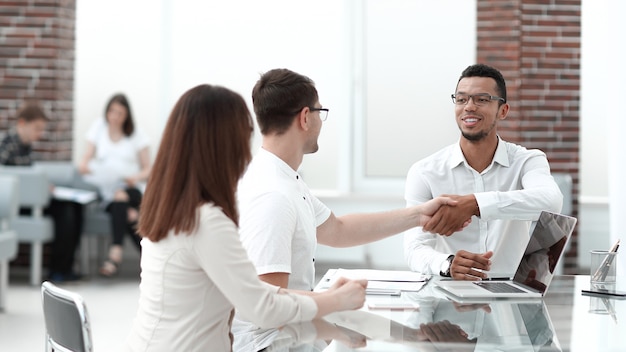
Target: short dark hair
[[204, 151], [278, 96], [31, 111], [129, 126], [482, 70]]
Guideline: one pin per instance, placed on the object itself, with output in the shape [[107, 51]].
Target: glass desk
[[564, 320]]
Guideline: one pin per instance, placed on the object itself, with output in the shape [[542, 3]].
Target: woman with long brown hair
[[194, 268]]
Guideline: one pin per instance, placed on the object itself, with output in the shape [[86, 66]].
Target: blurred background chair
[[67, 321], [96, 228], [565, 183], [35, 228], [96, 222], [8, 237]]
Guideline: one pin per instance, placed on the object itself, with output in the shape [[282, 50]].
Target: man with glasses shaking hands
[[502, 186]]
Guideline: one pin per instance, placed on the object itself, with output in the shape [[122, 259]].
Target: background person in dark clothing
[[15, 150]]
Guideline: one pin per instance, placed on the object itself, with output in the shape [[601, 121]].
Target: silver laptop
[[535, 270]]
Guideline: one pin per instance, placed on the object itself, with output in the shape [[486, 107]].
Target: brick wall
[[37, 62], [536, 45]]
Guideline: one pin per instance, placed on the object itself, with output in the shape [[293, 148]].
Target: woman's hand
[[350, 294], [131, 181], [83, 169], [90, 152]]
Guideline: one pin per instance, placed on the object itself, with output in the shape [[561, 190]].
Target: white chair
[[67, 321], [34, 229], [8, 237]]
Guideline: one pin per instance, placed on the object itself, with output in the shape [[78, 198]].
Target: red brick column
[[536, 45], [37, 62]]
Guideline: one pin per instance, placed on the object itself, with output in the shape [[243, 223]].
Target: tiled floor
[[111, 304]]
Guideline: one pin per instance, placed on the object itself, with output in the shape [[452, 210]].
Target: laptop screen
[[545, 247]]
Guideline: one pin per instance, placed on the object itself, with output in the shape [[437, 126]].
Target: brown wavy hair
[[204, 151], [129, 125]]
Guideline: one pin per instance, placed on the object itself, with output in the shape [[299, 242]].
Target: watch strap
[[447, 272]]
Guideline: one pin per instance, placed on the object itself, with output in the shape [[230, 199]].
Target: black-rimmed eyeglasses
[[479, 99], [323, 112]]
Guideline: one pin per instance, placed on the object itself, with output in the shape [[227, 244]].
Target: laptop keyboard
[[499, 287]]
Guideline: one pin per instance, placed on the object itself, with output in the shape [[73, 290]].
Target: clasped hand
[[453, 215]]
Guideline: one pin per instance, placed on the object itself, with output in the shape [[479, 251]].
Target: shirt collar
[[278, 162], [13, 134], [501, 156]]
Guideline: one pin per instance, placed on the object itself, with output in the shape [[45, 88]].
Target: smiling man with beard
[[501, 185]]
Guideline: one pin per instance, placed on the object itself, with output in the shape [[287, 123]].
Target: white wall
[[598, 80], [155, 50], [118, 49], [616, 49]]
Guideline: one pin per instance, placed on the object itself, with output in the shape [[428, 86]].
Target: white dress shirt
[[190, 284], [511, 193]]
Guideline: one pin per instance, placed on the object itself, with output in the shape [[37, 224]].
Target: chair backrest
[[34, 186], [60, 173], [565, 184], [9, 200], [64, 173], [66, 318]]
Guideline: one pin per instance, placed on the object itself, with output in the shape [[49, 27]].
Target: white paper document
[[378, 280], [73, 194]]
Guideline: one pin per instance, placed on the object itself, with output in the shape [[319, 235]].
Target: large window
[[385, 69], [406, 59]]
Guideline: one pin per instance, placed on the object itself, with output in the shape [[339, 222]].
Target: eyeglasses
[[323, 112], [479, 99]]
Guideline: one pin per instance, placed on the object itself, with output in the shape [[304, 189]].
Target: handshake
[[447, 214]]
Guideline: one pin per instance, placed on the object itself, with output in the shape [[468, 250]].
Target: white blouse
[[113, 160], [190, 284]]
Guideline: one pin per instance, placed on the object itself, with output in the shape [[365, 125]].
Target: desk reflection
[[438, 325], [564, 320]]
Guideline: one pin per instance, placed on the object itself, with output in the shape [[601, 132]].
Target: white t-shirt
[[278, 227], [278, 220], [511, 193], [190, 284], [113, 161]]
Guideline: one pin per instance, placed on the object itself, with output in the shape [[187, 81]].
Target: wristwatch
[[445, 266]]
